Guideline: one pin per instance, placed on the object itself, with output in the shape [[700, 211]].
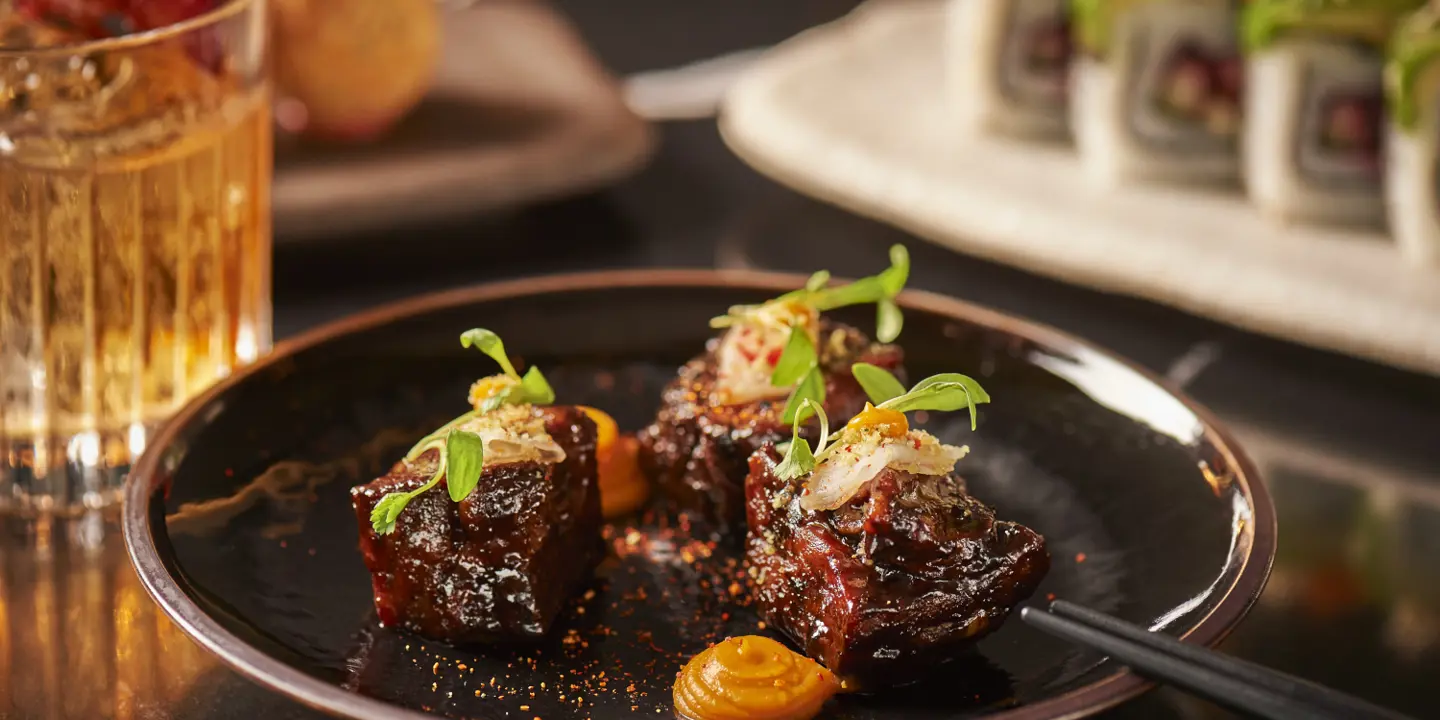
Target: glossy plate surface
[[239, 523]]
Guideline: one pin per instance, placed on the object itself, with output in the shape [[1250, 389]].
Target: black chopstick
[[1236, 684]]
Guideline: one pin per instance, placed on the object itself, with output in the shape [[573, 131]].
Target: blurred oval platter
[[856, 113]]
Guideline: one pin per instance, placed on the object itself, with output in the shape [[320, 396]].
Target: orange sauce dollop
[[623, 488], [890, 423], [752, 677]]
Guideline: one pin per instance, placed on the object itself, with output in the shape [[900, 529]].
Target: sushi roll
[[1008, 64], [1156, 89], [1315, 107], [1412, 78]]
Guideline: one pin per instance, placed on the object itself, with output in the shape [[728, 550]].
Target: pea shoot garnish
[[880, 289], [941, 393], [798, 364], [462, 453], [890, 401], [510, 388]]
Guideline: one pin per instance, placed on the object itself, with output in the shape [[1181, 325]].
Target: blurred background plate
[[856, 113], [519, 111]]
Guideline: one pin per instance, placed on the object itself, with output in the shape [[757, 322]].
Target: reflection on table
[[79, 637]]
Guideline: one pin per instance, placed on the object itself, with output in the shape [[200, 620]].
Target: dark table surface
[[1350, 450]]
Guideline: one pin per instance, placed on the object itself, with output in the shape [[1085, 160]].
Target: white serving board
[[856, 113]]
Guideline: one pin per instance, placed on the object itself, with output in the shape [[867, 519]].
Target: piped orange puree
[[752, 677], [622, 486], [890, 423]]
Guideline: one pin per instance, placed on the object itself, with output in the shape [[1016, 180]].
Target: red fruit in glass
[[92, 18], [203, 45]]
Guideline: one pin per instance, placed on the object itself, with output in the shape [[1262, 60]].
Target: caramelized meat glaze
[[910, 572], [696, 450], [498, 565]]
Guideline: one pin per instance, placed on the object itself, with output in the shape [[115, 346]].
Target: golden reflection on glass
[[134, 239]]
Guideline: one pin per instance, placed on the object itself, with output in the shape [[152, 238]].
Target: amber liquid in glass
[[134, 265]]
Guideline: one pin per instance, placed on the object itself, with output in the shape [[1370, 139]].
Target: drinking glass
[[134, 238]]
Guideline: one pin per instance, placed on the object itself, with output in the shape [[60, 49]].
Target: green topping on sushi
[[1414, 47], [1092, 21], [1368, 21]]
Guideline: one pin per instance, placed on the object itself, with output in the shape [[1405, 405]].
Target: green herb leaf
[[388, 509], [942, 393], [893, 278], [490, 344], [977, 393], [812, 388], [533, 387], [864, 290], [878, 383], [875, 288], [796, 360], [888, 320], [437, 439], [465, 459], [537, 388], [817, 293], [798, 459]]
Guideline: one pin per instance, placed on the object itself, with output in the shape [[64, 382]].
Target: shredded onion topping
[[750, 349], [861, 454]]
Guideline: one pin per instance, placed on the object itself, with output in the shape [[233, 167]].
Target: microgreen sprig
[[799, 460], [941, 393], [799, 362], [880, 289], [532, 388], [462, 453], [462, 459], [799, 365]]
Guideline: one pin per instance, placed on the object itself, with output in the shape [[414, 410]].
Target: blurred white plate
[[855, 113]]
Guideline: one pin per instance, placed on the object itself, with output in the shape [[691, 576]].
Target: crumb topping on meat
[[515, 433]]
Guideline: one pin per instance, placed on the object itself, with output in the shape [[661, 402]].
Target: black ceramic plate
[[239, 523]]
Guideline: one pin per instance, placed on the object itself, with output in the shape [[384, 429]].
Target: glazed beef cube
[[696, 450], [906, 575], [499, 564]]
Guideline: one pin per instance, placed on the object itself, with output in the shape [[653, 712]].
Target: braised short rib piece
[[497, 565], [903, 575], [706, 429]]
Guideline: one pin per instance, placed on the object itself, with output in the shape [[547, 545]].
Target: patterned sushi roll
[[1007, 63], [1315, 116], [1412, 168], [1155, 89]]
